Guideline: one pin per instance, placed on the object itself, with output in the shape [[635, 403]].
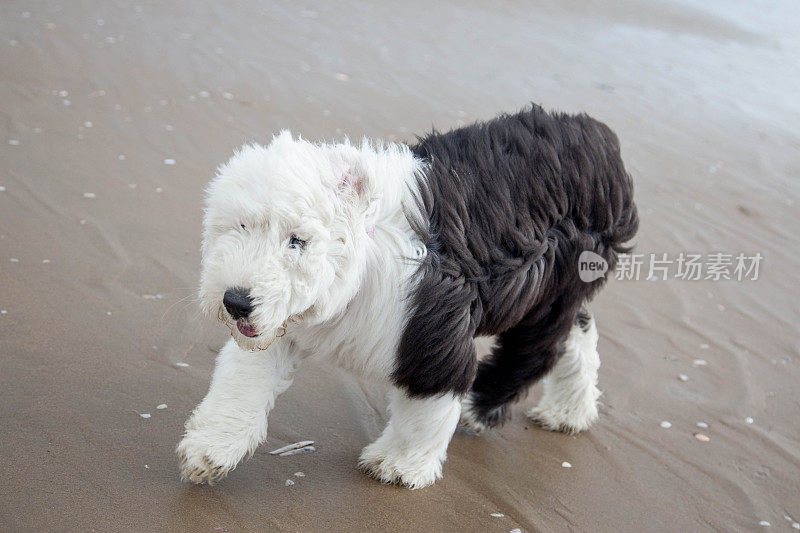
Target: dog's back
[[517, 197]]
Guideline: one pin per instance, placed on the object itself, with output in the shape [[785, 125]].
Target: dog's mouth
[[246, 329]]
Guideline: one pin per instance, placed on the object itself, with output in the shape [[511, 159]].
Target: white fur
[[569, 402], [413, 446], [335, 197], [344, 295], [232, 419]]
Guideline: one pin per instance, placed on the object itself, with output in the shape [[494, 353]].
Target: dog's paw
[[408, 468], [201, 462], [469, 421], [570, 421], [207, 456], [196, 466], [477, 423]]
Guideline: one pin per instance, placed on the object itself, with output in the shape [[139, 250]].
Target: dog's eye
[[296, 244]]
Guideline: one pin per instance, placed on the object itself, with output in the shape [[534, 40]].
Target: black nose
[[238, 302]]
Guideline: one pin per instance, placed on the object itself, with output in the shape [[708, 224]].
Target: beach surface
[[114, 117]]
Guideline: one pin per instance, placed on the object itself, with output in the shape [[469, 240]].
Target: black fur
[[510, 205]]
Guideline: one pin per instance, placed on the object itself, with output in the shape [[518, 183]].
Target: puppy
[[388, 259]]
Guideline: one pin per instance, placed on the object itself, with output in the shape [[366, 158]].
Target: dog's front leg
[[413, 446], [232, 419]]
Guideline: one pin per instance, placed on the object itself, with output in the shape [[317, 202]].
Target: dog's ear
[[351, 182], [354, 186]]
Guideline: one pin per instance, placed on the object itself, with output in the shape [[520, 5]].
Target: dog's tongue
[[246, 329]]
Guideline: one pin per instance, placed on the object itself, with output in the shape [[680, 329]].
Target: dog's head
[[284, 237]]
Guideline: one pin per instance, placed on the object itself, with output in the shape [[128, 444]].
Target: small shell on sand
[[764, 523], [341, 76], [298, 451], [89, 195], [665, 424], [161, 406], [290, 447], [289, 482], [699, 362], [497, 515], [749, 420], [683, 377], [565, 464], [299, 474], [169, 161], [144, 415], [701, 437], [182, 365], [702, 425], [796, 525]]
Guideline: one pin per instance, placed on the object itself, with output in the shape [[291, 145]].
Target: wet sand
[[99, 256]]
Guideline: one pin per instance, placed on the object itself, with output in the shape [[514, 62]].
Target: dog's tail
[[624, 215], [619, 235]]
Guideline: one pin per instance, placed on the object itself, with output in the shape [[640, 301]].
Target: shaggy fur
[[511, 204], [387, 260]]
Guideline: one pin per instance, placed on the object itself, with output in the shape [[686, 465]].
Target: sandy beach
[[115, 116]]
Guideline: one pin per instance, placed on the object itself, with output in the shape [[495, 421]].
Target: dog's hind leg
[[522, 355], [231, 421], [569, 402], [412, 448]]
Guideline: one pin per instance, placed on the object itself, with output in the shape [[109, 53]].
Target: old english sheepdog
[[388, 259]]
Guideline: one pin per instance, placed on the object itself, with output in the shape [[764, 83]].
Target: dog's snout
[[238, 302]]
